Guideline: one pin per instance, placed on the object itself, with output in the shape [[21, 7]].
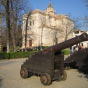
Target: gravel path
[[10, 77]]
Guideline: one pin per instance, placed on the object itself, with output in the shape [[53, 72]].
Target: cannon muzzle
[[70, 42]]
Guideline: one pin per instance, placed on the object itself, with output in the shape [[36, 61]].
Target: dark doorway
[[30, 43]]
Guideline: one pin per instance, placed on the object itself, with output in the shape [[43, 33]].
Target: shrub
[[66, 51], [24, 54], [15, 55], [4, 56]]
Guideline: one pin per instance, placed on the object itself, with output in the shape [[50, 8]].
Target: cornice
[[56, 16]]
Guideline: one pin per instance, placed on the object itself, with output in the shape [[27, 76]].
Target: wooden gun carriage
[[79, 60], [49, 63]]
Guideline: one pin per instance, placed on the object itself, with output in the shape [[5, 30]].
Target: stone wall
[[47, 29]]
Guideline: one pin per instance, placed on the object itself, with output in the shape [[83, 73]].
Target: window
[[76, 32], [30, 43]]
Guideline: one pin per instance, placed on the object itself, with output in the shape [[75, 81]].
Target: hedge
[[15, 55], [66, 51], [24, 54]]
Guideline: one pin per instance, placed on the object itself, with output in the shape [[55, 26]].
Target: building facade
[[79, 32], [46, 28]]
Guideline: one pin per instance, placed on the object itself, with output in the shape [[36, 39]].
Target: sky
[[76, 8]]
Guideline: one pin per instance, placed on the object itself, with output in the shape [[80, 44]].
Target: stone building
[[46, 28], [79, 32]]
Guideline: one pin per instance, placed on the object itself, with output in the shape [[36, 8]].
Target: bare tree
[[19, 36], [68, 28], [85, 19], [42, 25], [86, 1], [13, 26], [86, 22], [17, 8], [14, 13], [55, 30], [0, 32], [77, 24], [76, 21], [26, 26], [55, 34], [7, 11]]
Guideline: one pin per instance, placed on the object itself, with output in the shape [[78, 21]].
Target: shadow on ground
[[1, 82], [85, 74]]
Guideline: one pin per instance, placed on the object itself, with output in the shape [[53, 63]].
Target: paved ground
[[10, 78]]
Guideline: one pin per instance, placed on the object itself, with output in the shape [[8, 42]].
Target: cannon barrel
[[70, 42]]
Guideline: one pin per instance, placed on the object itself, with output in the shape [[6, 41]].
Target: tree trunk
[[8, 25], [13, 38], [0, 34], [26, 27], [13, 28], [41, 37]]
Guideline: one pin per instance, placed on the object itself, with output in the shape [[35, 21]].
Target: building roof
[[50, 5], [50, 9]]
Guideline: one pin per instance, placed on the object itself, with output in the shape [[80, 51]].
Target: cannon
[[79, 60], [49, 63]]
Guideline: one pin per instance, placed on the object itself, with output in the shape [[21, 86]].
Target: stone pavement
[[10, 77]]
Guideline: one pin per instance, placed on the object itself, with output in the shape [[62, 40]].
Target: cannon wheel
[[24, 73], [45, 79], [64, 76]]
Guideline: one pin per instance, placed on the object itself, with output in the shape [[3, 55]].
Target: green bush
[[4, 56], [15, 55], [23, 54], [45, 47], [66, 51]]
